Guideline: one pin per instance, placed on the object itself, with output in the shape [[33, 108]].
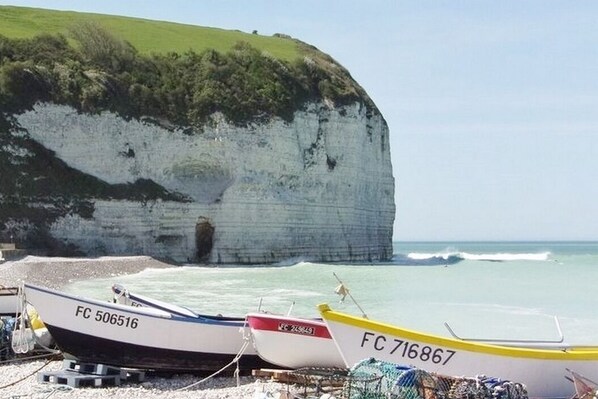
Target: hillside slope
[[145, 35]]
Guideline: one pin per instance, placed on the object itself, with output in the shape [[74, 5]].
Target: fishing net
[[373, 379], [482, 387], [6, 328]]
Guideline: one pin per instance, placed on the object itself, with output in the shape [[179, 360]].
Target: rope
[[22, 340], [235, 360], [344, 291], [53, 390], [44, 347], [20, 359], [247, 340], [27, 376]]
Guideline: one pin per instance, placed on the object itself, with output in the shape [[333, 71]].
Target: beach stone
[[155, 387]]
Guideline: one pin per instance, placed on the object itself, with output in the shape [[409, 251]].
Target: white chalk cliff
[[319, 188]]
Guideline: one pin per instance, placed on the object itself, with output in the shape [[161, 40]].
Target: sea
[[544, 291]]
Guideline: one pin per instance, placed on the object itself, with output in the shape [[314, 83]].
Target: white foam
[[423, 256], [505, 257], [495, 257]]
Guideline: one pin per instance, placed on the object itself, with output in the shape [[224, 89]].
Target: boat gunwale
[[142, 311], [561, 354], [176, 311], [306, 320]]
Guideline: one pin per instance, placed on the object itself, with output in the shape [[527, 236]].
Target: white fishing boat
[[541, 370], [9, 301], [288, 342], [94, 331], [293, 342]]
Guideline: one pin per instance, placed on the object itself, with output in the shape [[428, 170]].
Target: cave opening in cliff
[[204, 233]]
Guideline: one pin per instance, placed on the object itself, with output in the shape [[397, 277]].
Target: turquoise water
[[483, 290]]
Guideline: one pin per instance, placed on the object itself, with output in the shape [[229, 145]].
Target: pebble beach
[[152, 387], [20, 378]]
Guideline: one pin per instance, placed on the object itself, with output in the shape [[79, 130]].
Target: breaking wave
[[416, 259], [454, 257], [506, 257]]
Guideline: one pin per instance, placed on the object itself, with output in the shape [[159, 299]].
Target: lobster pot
[[375, 379]]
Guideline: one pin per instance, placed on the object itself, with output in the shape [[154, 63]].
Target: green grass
[[177, 72], [145, 35]]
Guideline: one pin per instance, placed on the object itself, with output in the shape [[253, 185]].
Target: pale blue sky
[[492, 105]]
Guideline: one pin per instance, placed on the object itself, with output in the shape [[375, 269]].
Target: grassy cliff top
[[170, 72], [146, 36]]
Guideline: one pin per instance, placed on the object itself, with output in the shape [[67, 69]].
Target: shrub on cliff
[[103, 72], [101, 48]]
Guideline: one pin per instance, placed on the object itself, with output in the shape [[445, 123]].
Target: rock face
[[320, 188]]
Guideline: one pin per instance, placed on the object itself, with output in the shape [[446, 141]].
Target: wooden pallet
[[78, 375], [285, 376], [125, 373], [77, 380], [331, 377]]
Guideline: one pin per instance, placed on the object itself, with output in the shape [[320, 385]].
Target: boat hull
[[542, 371], [86, 348], [9, 301], [102, 332], [292, 342]]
